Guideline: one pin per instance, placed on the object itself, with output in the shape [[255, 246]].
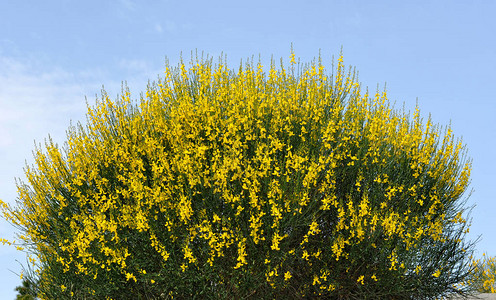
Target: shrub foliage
[[484, 275], [278, 183]]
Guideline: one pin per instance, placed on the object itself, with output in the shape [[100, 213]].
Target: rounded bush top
[[285, 183]]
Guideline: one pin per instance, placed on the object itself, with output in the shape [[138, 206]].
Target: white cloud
[[34, 103], [37, 100]]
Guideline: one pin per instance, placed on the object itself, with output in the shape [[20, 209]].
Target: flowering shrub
[[217, 183], [484, 277]]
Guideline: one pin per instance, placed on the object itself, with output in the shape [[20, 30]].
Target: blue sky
[[53, 54]]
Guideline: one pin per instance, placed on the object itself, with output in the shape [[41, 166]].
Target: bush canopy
[[218, 183]]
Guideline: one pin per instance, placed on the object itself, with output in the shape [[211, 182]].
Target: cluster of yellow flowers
[[484, 275], [291, 173]]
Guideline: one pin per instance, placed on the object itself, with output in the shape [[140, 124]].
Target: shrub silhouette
[[217, 183]]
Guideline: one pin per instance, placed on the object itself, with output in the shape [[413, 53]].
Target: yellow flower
[[287, 276], [417, 269], [437, 273], [183, 267], [130, 276], [316, 280]]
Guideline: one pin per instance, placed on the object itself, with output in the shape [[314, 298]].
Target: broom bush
[[218, 183]]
